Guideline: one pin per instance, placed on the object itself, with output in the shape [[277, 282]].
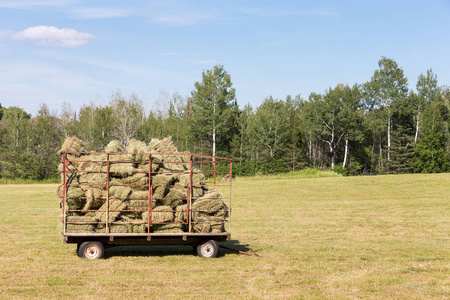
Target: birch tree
[[214, 110], [388, 84], [128, 117], [428, 90]]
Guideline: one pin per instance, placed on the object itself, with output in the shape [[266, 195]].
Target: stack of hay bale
[[129, 190]]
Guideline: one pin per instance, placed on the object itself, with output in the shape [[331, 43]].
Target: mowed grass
[[320, 238]]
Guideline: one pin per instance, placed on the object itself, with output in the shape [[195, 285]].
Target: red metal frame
[[194, 160]]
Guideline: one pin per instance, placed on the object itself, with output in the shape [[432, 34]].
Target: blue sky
[[75, 51]]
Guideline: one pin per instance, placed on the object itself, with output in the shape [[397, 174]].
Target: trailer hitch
[[241, 252]]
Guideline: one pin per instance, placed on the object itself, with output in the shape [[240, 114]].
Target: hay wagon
[[140, 198]]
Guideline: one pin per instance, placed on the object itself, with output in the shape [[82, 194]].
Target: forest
[[376, 127]]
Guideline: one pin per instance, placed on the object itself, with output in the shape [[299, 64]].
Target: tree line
[[376, 127]]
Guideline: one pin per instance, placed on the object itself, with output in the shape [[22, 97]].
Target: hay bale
[[201, 225], [80, 228], [198, 180], [168, 228], [136, 179], [119, 192], [136, 228], [72, 144], [137, 148], [179, 193], [88, 180], [74, 197], [161, 214], [144, 167], [206, 224], [210, 204], [122, 169], [95, 198], [139, 195], [93, 163], [174, 197], [217, 224], [118, 228], [60, 191], [84, 219], [161, 184], [74, 191], [181, 214], [114, 146], [138, 204], [114, 204]]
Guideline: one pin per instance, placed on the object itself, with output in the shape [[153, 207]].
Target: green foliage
[[431, 154], [375, 128], [214, 112]]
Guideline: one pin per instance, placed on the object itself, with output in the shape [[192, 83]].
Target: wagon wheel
[[208, 249], [91, 250]]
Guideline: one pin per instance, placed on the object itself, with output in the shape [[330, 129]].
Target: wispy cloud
[[179, 13], [99, 13], [281, 11], [29, 4], [53, 36], [7, 33]]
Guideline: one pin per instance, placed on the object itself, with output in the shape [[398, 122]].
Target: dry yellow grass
[[321, 238]]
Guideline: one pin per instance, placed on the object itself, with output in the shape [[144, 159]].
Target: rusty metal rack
[[216, 170]]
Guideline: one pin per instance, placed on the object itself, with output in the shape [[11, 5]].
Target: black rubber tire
[[209, 249], [91, 250]]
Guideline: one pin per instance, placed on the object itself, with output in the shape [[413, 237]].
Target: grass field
[[320, 238]]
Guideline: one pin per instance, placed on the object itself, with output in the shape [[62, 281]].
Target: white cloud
[[53, 36], [99, 13]]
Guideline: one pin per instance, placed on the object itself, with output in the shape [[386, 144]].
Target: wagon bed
[[216, 170]]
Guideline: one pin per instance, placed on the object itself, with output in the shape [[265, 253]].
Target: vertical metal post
[[214, 160], [107, 193], [150, 193], [189, 201], [64, 162], [229, 203]]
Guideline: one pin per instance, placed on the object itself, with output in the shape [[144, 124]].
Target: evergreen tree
[[431, 154]]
